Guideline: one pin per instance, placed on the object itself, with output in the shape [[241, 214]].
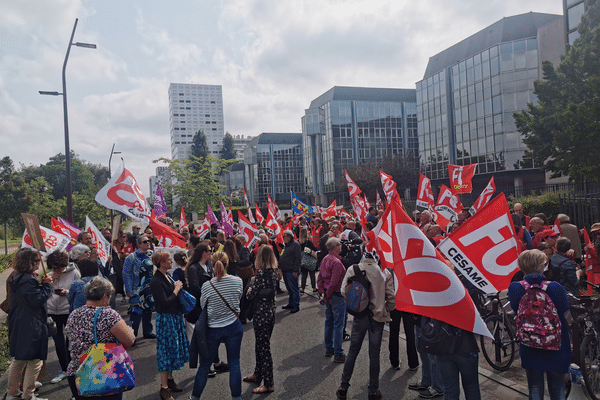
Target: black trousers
[[409, 331]]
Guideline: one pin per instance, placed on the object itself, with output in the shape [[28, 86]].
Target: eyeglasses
[[146, 241], [38, 260]]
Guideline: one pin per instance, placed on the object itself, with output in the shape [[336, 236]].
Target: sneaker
[[212, 373], [328, 353], [61, 375], [38, 385], [417, 386], [341, 394], [150, 336], [375, 396], [413, 368], [287, 307], [346, 337], [339, 359], [222, 367], [430, 393]]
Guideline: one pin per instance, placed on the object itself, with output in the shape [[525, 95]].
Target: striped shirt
[[219, 315]]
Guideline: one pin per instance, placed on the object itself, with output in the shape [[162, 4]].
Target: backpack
[[438, 337], [357, 293], [538, 322]]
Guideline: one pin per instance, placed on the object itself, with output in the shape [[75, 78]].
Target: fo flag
[[123, 194], [379, 202], [203, 228], [484, 248], [484, 197], [426, 285], [52, 240], [425, 195], [167, 236], [330, 212], [247, 229], [259, 217], [182, 220], [274, 227], [353, 188], [98, 241], [460, 177], [448, 203], [389, 186]]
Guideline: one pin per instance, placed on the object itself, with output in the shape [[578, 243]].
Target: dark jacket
[[196, 277], [291, 257], [568, 273], [165, 301], [28, 333]]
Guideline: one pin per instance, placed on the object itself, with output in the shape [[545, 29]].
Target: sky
[[271, 58]]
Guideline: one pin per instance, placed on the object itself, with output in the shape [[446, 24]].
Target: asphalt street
[[301, 369]]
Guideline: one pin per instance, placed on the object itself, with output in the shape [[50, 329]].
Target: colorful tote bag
[[105, 369]]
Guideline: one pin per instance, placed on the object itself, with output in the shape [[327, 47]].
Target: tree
[[199, 146], [561, 131], [228, 152]]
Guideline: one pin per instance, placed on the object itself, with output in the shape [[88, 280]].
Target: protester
[[538, 362], [230, 249], [329, 283], [76, 296], [110, 328], [137, 273], [79, 252], [568, 271], [264, 319], [525, 219], [289, 264], [304, 245], [381, 302], [570, 231], [523, 237], [63, 275], [27, 329], [116, 266], [431, 384], [171, 342], [221, 296], [591, 253]]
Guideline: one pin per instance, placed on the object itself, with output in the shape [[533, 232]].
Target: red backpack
[[538, 322]]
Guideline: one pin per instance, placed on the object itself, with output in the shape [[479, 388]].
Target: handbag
[[52, 328], [308, 262], [105, 369], [188, 301], [246, 272]]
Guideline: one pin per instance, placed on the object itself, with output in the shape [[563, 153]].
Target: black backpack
[[357, 293], [438, 337]]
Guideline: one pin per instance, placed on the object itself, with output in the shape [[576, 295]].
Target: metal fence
[[583, 208]]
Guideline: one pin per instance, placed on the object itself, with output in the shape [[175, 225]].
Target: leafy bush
[[6, 261], [547, 203]]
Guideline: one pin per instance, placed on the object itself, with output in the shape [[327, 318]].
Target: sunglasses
[[146, 241]]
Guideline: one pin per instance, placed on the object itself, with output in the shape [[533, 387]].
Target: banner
[[248, 230], [484, 197], [425, 194], [123, 194], [460, 177], [448, 203], [426, 285], [298, 207], [52, 240], [182, 220], [167, 236], [484, 248], [389, 186], [353, 188], [98, 241], [225, 221], [66, 228], [160, 205], [203, 228]]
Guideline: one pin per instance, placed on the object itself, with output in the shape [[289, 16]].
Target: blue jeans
[[360, 326], [146, 318], [467, 366], [335, 313], [430, 372], [291, 285], [231, 335], [535, 381]]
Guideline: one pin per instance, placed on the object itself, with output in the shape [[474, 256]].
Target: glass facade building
[[351, 125], [273, 165], [466, 100], [574, 11]]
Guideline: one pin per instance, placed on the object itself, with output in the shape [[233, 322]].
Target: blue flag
[[298, 206]]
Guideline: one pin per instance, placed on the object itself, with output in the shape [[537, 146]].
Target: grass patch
[[6, 261], [4, 349]]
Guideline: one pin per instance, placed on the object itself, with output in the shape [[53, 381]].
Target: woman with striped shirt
[[221, 295]]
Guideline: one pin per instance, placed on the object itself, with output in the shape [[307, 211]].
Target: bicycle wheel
[[499, 351], [590, 365]]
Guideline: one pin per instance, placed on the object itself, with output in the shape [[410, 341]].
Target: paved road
[[301, 369]]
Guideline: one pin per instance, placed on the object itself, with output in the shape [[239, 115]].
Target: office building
[[239, 144], [469, 92], [161, 177], [574, 11], [351, 125], [273, 165], [192, 108]]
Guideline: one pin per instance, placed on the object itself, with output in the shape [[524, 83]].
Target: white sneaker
[[38, 384], [61, 375]]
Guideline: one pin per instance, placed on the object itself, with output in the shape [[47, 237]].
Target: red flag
[[352, 187], [330, 212], [259, 217], [358, 205], [379, 202], [556, 226], [203, 228], [484, 197], [448, 203], [319, 209], [274, 226], [272, 206], [247, 229], [166, 236], [250, 216], [439, 219], [460, 177], [484, 248], [344, 213], [425, 195], [426, 284], [182, 221], [389, 186]]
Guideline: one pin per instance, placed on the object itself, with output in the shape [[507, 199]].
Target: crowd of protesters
[[234, 283]]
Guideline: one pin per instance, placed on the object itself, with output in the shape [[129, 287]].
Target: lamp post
[[112, 151], [64, 95]]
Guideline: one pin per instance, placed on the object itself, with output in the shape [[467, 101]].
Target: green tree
[[561, 131], [196, 182], [228, 152], [199, 146], [13, 195]]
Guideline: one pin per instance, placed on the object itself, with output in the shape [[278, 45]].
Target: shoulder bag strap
[[98, 311], [224, 301]]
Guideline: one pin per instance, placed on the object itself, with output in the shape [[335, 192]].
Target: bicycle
[[499, 351]]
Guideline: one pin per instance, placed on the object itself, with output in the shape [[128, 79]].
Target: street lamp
[[64, 95], [112, 151]]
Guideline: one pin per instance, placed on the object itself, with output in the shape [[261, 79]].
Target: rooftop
[[364, 94]]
